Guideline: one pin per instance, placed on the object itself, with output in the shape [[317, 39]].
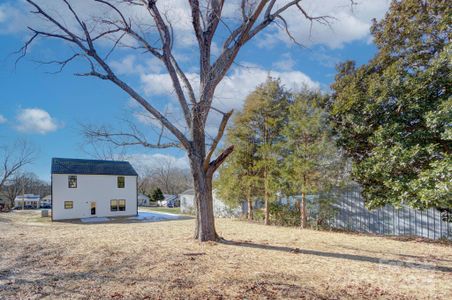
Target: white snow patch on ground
[[94, 220], [154, 216]]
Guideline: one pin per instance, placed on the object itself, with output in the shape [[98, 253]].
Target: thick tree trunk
[[202, 169], [303, 212], [250, 205], [205, 222]]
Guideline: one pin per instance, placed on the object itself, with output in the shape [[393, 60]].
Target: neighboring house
[[143, 200], [170, 200], [93, 188], [27, 201], [46, 202], [220, 209]]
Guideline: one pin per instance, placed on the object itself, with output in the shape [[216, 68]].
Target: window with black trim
[[118, 205], [122, 205], [68, 204], [72, 181], [121, 182]]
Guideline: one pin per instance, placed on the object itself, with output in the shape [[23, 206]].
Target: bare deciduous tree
[[166, 176], [13, 158], [27, 183], [157, 39]]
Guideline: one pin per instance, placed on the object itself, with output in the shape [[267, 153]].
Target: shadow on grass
[[432, 257], [362, 258]]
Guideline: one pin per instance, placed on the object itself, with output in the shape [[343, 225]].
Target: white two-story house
[[93, 188]]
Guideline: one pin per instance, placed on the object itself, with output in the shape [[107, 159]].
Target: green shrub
[[284, 215], [321, 211]]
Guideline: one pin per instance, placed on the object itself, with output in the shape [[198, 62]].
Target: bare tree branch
[[122, 139], [216, 140], [168, 58], [216, 163], [90, 51], [14, 158]]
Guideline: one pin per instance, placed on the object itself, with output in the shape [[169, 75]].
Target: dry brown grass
[[159, 260]]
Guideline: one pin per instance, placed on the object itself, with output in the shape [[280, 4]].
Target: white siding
[[92, 188], [187, 204], [220, 209]]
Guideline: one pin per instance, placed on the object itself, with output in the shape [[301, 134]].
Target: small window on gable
[[68, 204], [72, 181], [121, 182]]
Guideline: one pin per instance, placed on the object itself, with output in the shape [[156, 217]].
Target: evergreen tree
[[394, 114], [237, 176], [256, 164], [311, 162], [157, 195]]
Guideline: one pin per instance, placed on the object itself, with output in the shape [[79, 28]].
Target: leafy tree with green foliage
[[157, 195], [394, 114], [312, 162], [265, 112], [237, 177], [255, 166]]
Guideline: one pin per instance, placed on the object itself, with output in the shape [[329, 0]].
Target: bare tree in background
[[27, 183], [156, 39], [166, 176], [13, 158]]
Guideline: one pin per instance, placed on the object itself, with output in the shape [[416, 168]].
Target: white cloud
[[15, 16], [349, 24], [2, 119], [286, 63], [35, 120], [156, 84], [132, 65], [144, 161], [325, 59], [230, 93], [11, 19], [233, 89]]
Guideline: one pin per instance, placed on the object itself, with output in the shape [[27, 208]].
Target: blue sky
[[47, 109]]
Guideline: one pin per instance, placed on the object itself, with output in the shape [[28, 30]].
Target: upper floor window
[[72, 181], [121, 182]]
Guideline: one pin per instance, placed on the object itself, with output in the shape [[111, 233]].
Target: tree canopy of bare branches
[[156, 39], [166, 176], [25, 183], [13, 158]]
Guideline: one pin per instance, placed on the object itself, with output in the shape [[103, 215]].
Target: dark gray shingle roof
[[92, 167]]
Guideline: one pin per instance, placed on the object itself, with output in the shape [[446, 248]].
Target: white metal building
[[93, 188]]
